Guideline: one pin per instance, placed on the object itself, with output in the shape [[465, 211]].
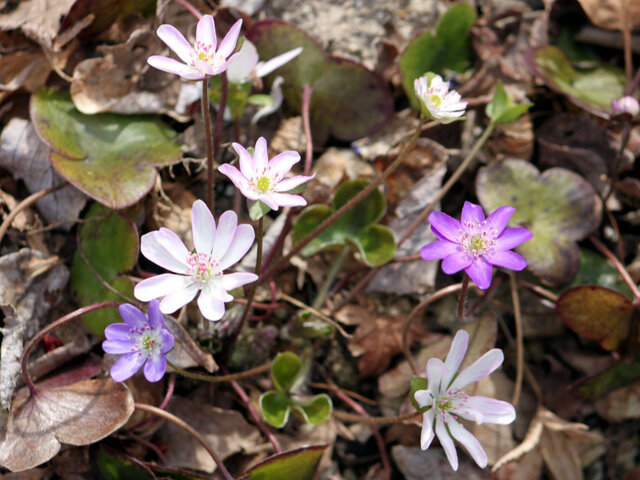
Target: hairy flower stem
[[307, 92], [463, 298], [348, 417], [519, 339], [221, 378], [331, 276], [191, 431], [52, 326], [206, 116], [342, 210]]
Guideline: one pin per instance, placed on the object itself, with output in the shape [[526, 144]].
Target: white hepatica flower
[[217, 248], [437, 101], [446, 401]]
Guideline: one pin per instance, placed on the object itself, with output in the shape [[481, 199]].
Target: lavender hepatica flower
[[627, 105], [204, 58], [140, 341], [262, 179], [217, 248], [475, 244], [444, 401], [436, 100]]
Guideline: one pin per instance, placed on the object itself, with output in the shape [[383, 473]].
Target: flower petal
[[171, 65], [507, 259], [230, 40], [435, 372], [167, 341], [118, 347], [178, 298], [156, 319], [287, 199], [164, 248], [489, 410], [236, 176], [469, 442], [224, 235], [276, 98], [500, 218], [424, 398], [292, 182], [512, 237], [447, 443], [155, 367], [242, 63], [455, 356], [240, 245], [282, 163], [265, 68], [246, 162], [206, 31], [447, 226], [427, 434], [176, 42], [471, 213], [456, 262], [160, 285], [210, 306], [118, 331], [480, 272], [237, 279], [132, 316], [479, 369], [127, 365], [203, 227], [438, 250], [260, 156]]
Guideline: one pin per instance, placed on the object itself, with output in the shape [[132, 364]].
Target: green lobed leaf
[[110, 244], [257, 209], [558, 206], [315, 410], [449, 48], [285, 370], [417, 383], [297, 464], [110, 157], [502, 109], [275, 407]]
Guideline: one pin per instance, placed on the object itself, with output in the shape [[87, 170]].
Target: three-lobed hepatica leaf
[[348, 100], [109, 242], [558, 206], [78, 414], [110, 157], [299, 464], [357, 227], [276, 405], [598, 313], [449, 48], [591, 89]]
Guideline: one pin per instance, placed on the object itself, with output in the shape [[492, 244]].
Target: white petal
[[237, 279], [260, 156], [479, 369], [206, 31], [160, 286], [246, 161], [469, 442], [455, 356], [211, 307], [447, 443], [276, 97], [240, 245], [427, 434], [489, 410], [224, 235], [178, 298], [171, 65], [164, 248], [424, 398], [230, 40], [203, 227], [435, 372], [265, 68], [242, 64], [176, 42]]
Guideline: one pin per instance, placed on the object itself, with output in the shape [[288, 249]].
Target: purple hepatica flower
[[138, 340], [262, 179], [475, 244], [445, 401], [217, 248], [201, 59]]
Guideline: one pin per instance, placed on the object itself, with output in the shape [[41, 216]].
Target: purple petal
[[471, 213], [246, 161], [512, 237], [132, 316], [424, 398], [500, 218], [176, 42], [156, 320], [506, 259], [427, 434], [210, 306], [455, 356], [206, 31], [160, 285], [167, 341], [203, 227], [292, 182], [479, 369], [469, 442], [286, 199], [118, 347], [117, 331], [171, 65], [447, 443], [438, 250], [127, 365], [238, 179], [178, 298], [282, 163], [490, 410], [224, 236], [164, 248], [230, 40], [446, 226], [260, 156], [435, 372], [240, 245], [265, 68], [480, 272], [456, 262], [155, 367], [237, 279]]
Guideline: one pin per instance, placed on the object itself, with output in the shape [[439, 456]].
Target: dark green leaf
[[275, 408], [293, 465]]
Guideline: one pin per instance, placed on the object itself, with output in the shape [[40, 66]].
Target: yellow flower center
[[263, 184], [476, 243], [436, 100], [147, 342]]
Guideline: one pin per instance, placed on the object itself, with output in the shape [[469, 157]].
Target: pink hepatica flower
[[445, 401], [437, 101], [139, 339], [201, 59], [262, 179], [475, 244], [217, 248], [628, 105]]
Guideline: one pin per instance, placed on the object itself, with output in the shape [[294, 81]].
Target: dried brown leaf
[[613, 14], [29, 16], [621, 404]]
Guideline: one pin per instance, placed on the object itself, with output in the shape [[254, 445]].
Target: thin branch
[[206, 115], [348, 417], [519, 339], [618, 266], [317, 313], [221, 378], [307, 92]]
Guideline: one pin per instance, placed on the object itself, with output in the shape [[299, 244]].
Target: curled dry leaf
[[78, 414], [613, 14]]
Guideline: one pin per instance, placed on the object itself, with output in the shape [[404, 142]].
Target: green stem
[[221, 378], [206, 115], [331, 276]]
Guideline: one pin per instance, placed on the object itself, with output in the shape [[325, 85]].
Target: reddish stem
[[307, 92]]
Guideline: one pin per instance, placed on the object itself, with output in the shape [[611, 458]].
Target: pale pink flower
[[627, 104], [445, 401], [262, 179], [437, 101], [204, 58], [217, 248]]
